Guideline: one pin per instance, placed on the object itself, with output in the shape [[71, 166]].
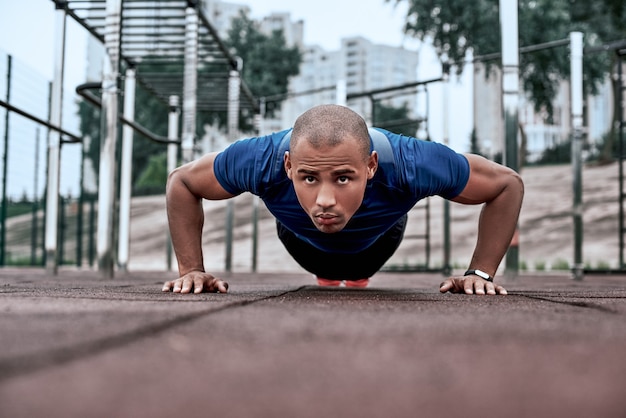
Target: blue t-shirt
[[419, 169]]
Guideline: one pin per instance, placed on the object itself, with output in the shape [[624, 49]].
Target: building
[[359, 66], [540, 134], [221, 14], [292, 31]]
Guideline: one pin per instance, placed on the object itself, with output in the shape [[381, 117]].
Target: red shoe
[[328, 282], [361, 283]]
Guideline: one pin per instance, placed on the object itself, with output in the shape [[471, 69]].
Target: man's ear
[[287, 162], [372, 165]]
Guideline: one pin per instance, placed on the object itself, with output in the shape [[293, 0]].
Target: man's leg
[[349, 267]]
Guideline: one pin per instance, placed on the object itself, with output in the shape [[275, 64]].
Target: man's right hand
[[196, 282]]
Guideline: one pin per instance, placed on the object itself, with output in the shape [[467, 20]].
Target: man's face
[[330, 181]]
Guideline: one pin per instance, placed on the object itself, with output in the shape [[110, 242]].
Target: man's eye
[[343, 179], [309, 179]]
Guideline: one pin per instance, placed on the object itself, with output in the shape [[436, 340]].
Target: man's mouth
[[326, 218]]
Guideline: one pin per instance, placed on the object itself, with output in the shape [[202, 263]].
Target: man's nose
[[326, 196]]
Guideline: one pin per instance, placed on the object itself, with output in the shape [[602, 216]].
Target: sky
[[27, 30]]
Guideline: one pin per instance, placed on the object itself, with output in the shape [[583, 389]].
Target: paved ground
[[76, 345]]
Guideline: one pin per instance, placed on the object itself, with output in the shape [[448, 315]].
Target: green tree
[[395, 118], [267, 61], [151, 112], [456, 26], [153, 177]]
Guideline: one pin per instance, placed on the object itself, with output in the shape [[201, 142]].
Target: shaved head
[[330, 125]]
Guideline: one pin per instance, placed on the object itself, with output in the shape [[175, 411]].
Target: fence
[[24, 159], [545, 224]]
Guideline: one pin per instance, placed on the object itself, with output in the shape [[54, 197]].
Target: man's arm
[[186, 187], [501, 190]]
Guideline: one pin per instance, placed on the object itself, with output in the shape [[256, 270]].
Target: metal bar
[[620, 138], [576, 86], [81, 207], [190, 84], [232, 131], [54, 145], [35, 208], [228, 238], [5, 163], [510, 93], [255, 232], [82, 90], [108, 166], [351, 96], [172, 159], [232, 60], [523, 50], [61, 228], [447, 266], [234, 83], [73, 138], [126, 172], [79, 20]]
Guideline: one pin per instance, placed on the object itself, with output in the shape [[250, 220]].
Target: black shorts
[[338, 266]]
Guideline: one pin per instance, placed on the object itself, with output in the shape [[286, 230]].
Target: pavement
[[78, 345]]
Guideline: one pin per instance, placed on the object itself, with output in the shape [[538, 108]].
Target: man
[[340, 193]]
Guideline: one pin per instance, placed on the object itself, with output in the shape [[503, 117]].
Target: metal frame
[[156, 36], [621, 59], [170, 48]]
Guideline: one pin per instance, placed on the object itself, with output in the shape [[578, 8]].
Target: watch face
[[481, 274]]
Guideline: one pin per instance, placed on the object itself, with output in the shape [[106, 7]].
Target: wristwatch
[[479, 273]]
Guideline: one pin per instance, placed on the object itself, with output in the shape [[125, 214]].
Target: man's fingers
[[445, 286], [187, 286], [222, 286], [479, 288], [198, 285], [452, 285], [471, 286]]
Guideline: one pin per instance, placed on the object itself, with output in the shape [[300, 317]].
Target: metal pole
[[35, 209], [190, 83], [255, 199], [234, 85], [510, 98], [107, 174], [54, 145], [342, 93], [172, 160], [5, 163], [126, 172], [447, 267], [576, 86], [92, 230], [620, 150], [230, 214], [255, 232], [61, 228], [81, 205]]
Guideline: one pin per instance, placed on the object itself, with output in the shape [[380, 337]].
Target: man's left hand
[[471, 285]]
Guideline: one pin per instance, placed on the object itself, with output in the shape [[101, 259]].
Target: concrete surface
[[77, 345]]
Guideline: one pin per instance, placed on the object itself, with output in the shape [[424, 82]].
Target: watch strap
[[479, 273]]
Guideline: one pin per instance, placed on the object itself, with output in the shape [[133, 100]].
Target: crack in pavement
[[34, 362], [576, 304]]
